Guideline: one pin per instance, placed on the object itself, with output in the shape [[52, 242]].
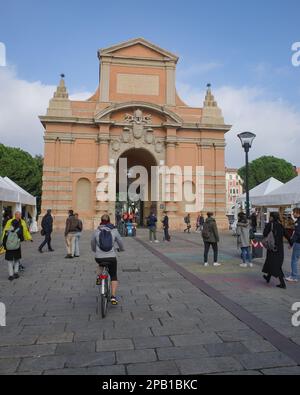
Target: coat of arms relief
[[138, 122], [138, 131]]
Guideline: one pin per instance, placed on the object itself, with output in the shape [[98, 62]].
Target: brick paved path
[[163, 325]]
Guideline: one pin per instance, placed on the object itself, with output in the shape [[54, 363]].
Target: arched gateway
[[137, 115]]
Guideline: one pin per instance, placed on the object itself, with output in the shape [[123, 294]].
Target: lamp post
[[247, 139]]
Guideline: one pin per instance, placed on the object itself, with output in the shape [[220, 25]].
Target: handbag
[[269, 241], [43, 233]]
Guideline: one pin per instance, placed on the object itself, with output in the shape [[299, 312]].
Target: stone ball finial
[[62, 75]]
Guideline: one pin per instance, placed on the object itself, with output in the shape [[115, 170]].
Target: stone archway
[[137, 157]]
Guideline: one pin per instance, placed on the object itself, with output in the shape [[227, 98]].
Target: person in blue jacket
[[151, 223]]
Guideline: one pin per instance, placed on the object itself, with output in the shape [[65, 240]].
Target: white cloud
[[276, 123], [21, 102]]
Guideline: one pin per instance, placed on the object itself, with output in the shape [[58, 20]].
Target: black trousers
[[206, 251], [166, 234], [46, 241]]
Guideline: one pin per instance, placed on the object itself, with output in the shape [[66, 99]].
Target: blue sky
[[230, 43]]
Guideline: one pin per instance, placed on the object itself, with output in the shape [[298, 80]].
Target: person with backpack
[[187, 221], [15, 232], [102, 244], [294, 278], [151, 223], [274, 233], [243, 239], [47, 229], [210, 235]]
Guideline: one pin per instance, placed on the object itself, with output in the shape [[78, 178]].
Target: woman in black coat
[[275, 259]]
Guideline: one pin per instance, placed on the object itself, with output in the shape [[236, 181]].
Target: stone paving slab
[[154, 369], [208, 365], [164, 325]]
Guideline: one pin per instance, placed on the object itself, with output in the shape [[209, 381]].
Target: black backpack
[[105, 240], [206, 231]]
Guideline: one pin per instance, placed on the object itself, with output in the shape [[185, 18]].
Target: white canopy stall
[[15, 197], [286, 195], [261, 190]]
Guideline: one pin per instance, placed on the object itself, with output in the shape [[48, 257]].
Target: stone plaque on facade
[[137, 84]]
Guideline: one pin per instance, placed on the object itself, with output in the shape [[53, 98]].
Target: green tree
[[23, 169], [266, 167]]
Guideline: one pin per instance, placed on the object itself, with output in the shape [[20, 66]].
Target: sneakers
[[216, 264], [244, 265], [251, 265], [68, 257], [22, 268], [206, 264], [113, 301], [16, 276], [11, 278], [290, 279], [156, 241]]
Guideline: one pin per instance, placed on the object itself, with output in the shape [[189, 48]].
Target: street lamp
[[247, 139]]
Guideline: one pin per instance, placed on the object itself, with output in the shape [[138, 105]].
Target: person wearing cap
[[47, 229]]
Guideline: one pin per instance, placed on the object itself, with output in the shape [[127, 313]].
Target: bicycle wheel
[[104, 299]]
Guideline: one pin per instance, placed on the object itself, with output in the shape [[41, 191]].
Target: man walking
[[187, 221], [210, 237], [293, 278], [47, 229], [151, 223], [70, 232]]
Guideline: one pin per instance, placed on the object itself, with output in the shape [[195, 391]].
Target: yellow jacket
[[26, 233]]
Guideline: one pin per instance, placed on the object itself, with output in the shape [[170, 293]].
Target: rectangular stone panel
[[138, 84]]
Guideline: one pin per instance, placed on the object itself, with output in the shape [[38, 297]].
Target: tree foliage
[[22, 168], [266, 167]]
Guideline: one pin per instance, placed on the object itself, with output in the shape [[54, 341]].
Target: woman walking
[[14, 233], [275, 256], [243, 240]]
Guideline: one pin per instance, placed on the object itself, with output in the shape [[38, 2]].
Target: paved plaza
[[175, 317]]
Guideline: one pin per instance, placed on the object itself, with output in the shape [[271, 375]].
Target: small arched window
[[83, 195]]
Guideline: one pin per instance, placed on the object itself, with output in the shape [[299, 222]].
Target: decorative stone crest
[[138, 122]]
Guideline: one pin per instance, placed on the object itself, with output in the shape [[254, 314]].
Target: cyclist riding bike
[[103, 245]]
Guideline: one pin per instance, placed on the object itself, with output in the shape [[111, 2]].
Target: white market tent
[[7, 193], [24, 197], [261, 190], [286, 195], [14, 196]]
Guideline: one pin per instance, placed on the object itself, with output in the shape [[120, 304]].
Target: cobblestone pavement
[[164, 324]]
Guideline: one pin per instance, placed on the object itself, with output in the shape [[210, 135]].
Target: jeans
[[295, 260], [46, 241], [76, 242], [152, 234], [246, 257], [13, 267], [206, 251]]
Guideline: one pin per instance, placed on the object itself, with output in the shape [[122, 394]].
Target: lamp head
[[247, 139]]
